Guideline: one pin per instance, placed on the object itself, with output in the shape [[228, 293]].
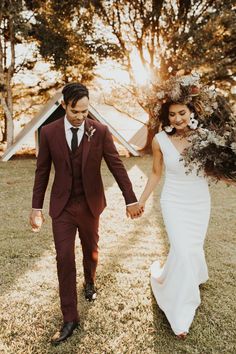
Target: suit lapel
[[61, 137], [86, 145]]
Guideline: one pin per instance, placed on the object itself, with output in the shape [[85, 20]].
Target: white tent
[[129, 132]]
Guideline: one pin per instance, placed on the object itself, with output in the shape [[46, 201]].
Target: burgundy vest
[[77, 192]]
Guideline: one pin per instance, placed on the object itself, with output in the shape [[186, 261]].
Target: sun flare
[[141, 73], [113, 71]]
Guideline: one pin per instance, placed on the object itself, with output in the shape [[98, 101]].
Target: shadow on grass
[[103, 320], [20, 247], [109, 290]]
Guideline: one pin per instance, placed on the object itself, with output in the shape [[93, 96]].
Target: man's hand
[[36, 219], [134, 211]]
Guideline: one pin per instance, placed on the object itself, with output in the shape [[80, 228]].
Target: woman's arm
[[156, 173]]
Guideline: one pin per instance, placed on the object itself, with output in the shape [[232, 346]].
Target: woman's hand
[[141, 205], [133, 211]]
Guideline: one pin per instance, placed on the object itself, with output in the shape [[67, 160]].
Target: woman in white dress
[[185, 205]]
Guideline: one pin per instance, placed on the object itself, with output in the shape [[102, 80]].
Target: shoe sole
[[55, 344], [91, 298]]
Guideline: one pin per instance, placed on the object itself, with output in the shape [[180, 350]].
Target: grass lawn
[[125, 318]]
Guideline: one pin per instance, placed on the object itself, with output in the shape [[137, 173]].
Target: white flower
[[157, 109], [168, 128], [175, 93], [90, 132], [193, 123], [233, 147], [209, 110], [203, 143], [161, 95], [189, 80]]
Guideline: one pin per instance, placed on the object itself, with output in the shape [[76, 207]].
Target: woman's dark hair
[[73, 92]]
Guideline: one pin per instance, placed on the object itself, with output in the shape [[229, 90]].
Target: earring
[[168, 128], [193, 123]]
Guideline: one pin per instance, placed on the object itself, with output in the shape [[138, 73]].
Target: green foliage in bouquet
[[213, 146], [212, 153]]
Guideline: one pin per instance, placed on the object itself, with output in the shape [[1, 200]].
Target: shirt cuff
[[37, 209], [131, 204]]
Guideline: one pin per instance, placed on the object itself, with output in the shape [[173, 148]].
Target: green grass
[[125, 318]]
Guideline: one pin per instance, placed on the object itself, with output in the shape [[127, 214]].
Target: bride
[[185, 205]]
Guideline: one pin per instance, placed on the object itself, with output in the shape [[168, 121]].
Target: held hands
[[36, 219], [134, 211]]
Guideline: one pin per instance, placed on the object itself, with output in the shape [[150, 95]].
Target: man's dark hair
[[73, 92]]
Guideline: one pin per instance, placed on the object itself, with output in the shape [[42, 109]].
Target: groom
[[76, 145]]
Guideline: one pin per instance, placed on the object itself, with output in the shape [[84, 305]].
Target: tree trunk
[[10, 73], [9, 114], [147, 149], [9, 128], [3, 129]]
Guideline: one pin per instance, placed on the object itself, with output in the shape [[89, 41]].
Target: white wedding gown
[[185, 205]]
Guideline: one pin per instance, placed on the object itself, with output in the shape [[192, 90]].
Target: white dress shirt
[[69, 134]]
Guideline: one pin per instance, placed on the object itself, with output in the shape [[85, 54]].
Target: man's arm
[[42, 173]]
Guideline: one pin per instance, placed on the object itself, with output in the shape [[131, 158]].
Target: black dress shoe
[[65, 332], [90, 291]]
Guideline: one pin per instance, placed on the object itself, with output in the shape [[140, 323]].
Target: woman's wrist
[[142, 200]]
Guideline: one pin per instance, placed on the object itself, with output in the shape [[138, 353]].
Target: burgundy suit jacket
[[54, 149]]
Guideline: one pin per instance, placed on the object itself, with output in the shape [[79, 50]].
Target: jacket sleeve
[[117, 168], [44, 162]]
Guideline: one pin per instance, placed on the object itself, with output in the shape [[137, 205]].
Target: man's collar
[[68, 125]]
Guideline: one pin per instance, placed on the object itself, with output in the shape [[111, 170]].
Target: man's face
[[77, 114]]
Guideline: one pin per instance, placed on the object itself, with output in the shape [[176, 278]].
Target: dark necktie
[[74, 140]]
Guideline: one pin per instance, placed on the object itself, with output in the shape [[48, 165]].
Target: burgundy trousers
[[76, 216]]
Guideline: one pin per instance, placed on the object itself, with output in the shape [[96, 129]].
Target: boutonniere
[[91, 130]]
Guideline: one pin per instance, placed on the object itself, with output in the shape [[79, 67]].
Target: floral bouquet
[[213, 153], [213, 146]]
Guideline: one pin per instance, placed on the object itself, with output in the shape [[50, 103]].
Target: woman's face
[[179, 116]]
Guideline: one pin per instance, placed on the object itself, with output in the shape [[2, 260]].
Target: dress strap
[[161, 139]]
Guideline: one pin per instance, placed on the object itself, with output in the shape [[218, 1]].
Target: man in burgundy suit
[[76, 145]]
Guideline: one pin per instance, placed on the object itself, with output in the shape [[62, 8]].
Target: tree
[[170, 35], [61, 31], [74, 36], [15, 26], [66, 37], [173, 34], [12, 26], [203, 38]]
